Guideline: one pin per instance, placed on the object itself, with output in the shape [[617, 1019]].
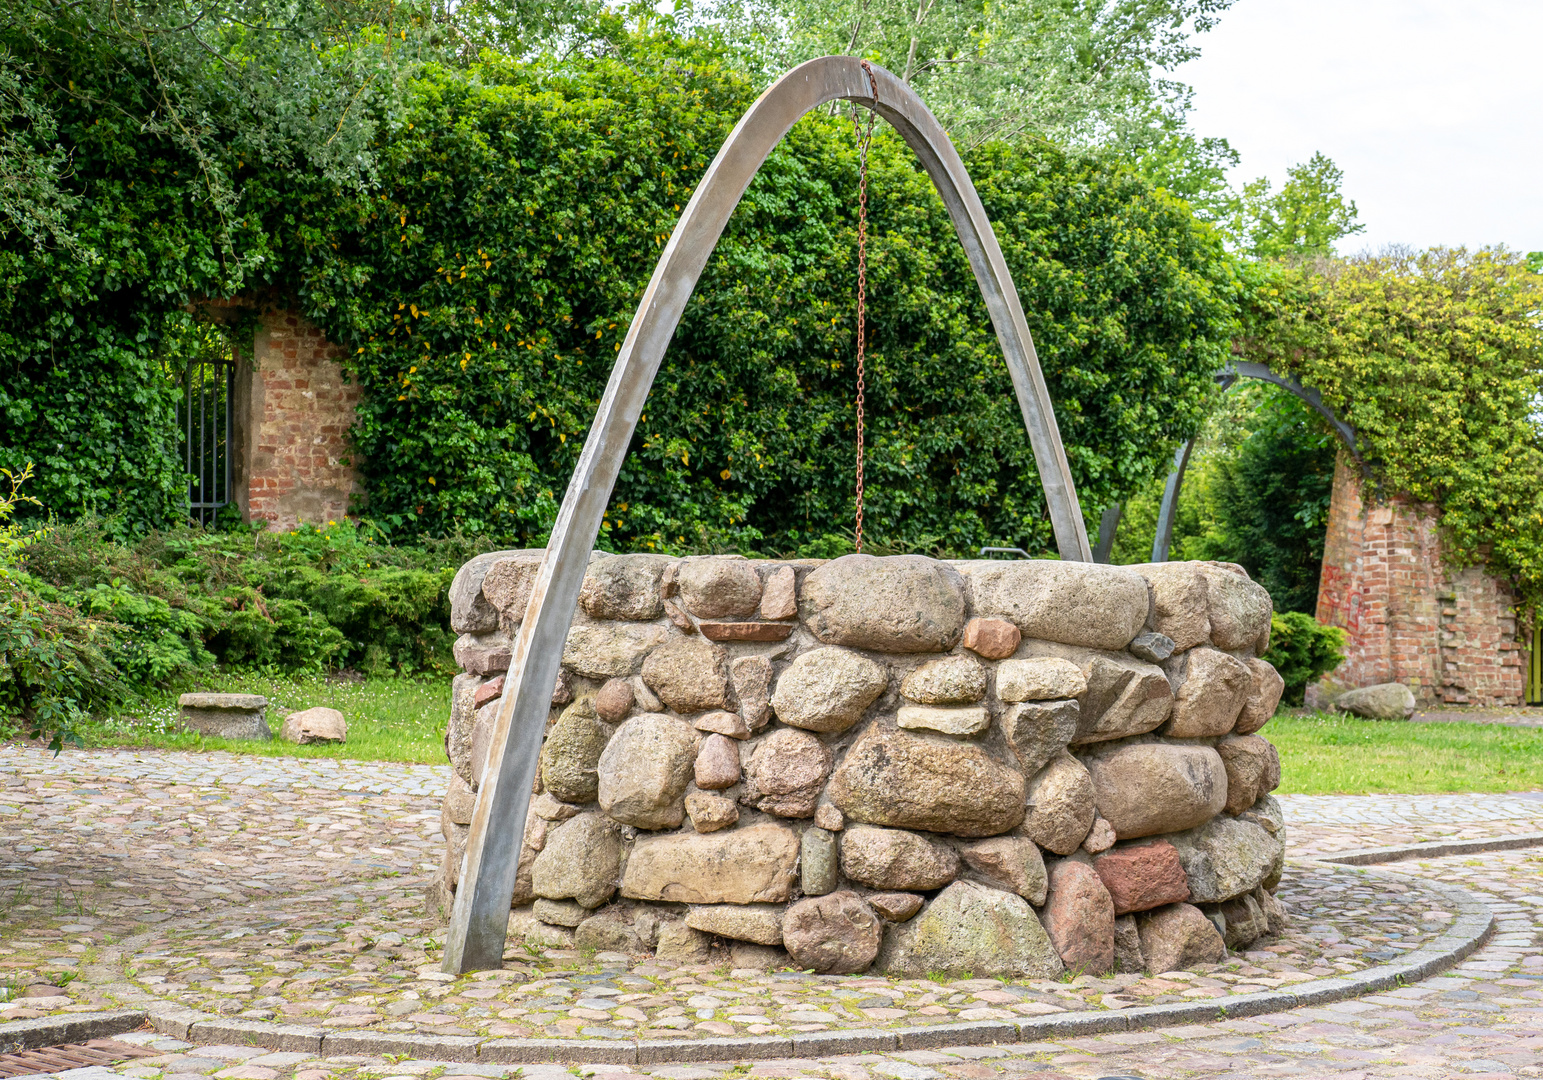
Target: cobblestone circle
[[293, 890]]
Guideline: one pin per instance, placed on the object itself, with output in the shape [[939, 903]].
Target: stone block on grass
[[226, 716]]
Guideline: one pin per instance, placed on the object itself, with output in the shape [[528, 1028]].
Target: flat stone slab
[[226, 716]]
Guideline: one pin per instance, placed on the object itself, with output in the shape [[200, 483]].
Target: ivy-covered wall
[[481, 287]]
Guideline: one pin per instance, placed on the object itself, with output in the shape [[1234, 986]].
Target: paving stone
[[322, 908]]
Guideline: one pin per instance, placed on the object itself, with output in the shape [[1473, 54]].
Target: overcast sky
[[1434, 110]]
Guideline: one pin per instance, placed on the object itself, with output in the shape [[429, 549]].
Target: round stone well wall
[[1005, 768]]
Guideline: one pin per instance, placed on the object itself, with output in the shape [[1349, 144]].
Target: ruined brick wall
[[294, 461], [1450, 637]]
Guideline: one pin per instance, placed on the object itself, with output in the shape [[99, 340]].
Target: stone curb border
[[1468, 932], [1432, 849], [19, 1035]]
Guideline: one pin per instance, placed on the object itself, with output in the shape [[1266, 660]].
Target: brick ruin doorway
[[1448, 633], [287, 448]]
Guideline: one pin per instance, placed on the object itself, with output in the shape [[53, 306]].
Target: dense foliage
[[1256, 493], [483, 286], [485, 290], [1436, 359], [87, 621], [1074, 74], [1303, 650]]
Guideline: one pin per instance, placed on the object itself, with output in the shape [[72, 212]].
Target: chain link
[[864, 138]]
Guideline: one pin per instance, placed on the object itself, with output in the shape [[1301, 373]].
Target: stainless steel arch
[[1246, 369], [480, 916]]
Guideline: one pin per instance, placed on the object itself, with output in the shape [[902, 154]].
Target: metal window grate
[[1535, 663], [206, 415]]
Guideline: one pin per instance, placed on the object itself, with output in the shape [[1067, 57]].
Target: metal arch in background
[[1245, 369], [480, 917], [1108, 525]]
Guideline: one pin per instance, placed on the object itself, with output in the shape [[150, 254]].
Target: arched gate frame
[[1244, 369], [480, 916]]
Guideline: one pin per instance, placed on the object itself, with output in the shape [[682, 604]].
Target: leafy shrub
[[481, 294], [481, 283], [87, 619], [1434, 358], [311, 600], [272, 633], [1257, 493], [51, 658], [1303, 650], [54, 665]]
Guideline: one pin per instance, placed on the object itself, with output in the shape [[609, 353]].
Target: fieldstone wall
[[1007, 768]]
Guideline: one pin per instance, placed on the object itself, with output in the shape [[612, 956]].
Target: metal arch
[[479, 919], [1248, 369], [1245, 369]]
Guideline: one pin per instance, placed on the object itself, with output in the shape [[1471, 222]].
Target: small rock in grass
[[1385, 701], [318, 725]]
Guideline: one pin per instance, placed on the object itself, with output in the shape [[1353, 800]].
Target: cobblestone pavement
[[1323, 824], [365, 956], [237, 916]]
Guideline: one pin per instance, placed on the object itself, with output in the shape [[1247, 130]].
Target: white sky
[[1434, 110]]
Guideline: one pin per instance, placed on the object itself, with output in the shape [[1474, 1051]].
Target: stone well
[[1007, 768]]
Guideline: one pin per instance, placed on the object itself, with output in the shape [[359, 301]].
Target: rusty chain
[[864, 138]]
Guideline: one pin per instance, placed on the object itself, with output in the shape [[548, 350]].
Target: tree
[[554, 189], [1302, 220], [1267, 502], [230, 83], [1083, 73]]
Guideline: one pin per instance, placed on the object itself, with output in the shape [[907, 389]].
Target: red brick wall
[[295, 460], [1451, 637]]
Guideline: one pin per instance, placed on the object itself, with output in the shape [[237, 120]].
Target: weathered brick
[[1450, 636]]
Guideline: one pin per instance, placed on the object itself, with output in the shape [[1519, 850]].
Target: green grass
[[1335, 755], [389, 719], [400, 719]]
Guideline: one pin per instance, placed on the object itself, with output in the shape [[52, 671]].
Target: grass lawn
[[389, 719], [399, 719], [1335, 755]]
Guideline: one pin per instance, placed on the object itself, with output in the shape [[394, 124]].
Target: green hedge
[[483, 285], [314, 599], [88, 621], [484, 292], [1303, 650]]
